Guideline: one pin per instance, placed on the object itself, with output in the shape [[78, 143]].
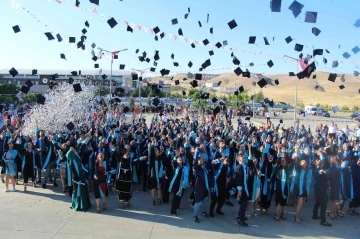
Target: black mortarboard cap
[[84, 31], [94, 58], [70, 80], [134, 76], [310, 17], [13, 72], [246, 74], [298, 47], [163, 72], [58, 36], [211, 30], [177, 82], [192, 45], [214, 100], [327, 51], [238, 71], [316, 31], [296, 8], [40, 99], [292, 74], [218, 45], [116, 57], [77, 87], [122, 66], [156, 30], [356, 73], [275, 5], [232, 54], [29, 83], [199, 24], [96, 66], [252, 40], [232, 24], [126, 109], [314, 77], [271, 103], [129, 29], [162, 35], [87, 24], [342, 87], [156, 101], [72, 39], [236, 92], [206, 41], [318, 52], [174, 21], [356, 50], [25, 89], [219, 83], [270, 63], [194, 83], [346, 55], [324, 60], [183, 92], [266, 41], [288, 39], [156, 38], [186, 15], [216, 110], [180, 32], [16, 29], [137, 51], [112, 22], [176, 64], [301, 55], [332, 77], [34, 72], [241, 89], [190, 64], [74, 73], [70, 126], [236, 61], [211, 52], [156, 57], [80, 44], [251, 64], [152, 69], [198, 76], [262, 82], [62, 56], [49, 36], [277, 82]]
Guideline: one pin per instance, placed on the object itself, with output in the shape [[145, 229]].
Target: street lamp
[[141, 73], [112, 59], [296, 85]]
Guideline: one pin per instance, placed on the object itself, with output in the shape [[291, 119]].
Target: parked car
[[355, 115], [357, 118], [324, 113]]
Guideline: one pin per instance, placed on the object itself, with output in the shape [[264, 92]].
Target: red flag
[[303, 63]]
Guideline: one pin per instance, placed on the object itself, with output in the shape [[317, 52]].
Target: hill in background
[[328, 92]]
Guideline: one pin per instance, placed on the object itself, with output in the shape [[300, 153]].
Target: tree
[[31, 98], [9, 89], [148, 91], [355, 108], [131, 102], [101, 91], [259, 97]]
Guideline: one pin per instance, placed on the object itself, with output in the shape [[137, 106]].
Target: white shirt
[[357, 133], [346, 131], [332, 129], [268, 114]]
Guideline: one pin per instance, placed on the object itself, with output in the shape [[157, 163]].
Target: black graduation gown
[[123, 183], [201, 190], [335, 183], [281, 194]]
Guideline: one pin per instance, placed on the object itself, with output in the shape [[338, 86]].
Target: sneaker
[[6, 190], [326, 224], [205, 214], [13, 190], [242, 223], [196, 219]]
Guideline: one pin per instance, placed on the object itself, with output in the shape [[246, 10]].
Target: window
[[36, 82]]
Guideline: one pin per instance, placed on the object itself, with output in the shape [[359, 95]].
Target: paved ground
[[45, 213]]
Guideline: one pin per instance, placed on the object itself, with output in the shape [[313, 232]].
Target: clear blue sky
[[30, 48]]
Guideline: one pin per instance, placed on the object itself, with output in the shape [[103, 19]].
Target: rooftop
[[67, 72]]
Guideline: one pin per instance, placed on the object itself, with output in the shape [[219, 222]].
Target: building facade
[[42, 79]]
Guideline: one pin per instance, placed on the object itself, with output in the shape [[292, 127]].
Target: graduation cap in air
[[186, 15], [190, 64], [251, 64], [193, 45], [332, 77], [122, 66], [346, 55], [96, 66], [356, 50], [162, 35], [58, 36], [236, 61], [296, 8], [183, 92], [40, 99], [194, 83], [172, 56], [246, 74], [343, 78], [270, 63], [87, 24], [70, 80], [156, 101], [238, 71], [211, 53], [177, 82], [29, 83], [342, 87], [214, 100], [77, 87], [180, 32], [288, 39], [34, 72], [205, 42], [198, 76], [176, 64], [298, 47], [134, 76], [25, 89], [84, 31], [262, 82], [306, 73], [156, 38], [156, 30], [216, 110], [219, 83], [276, 82], [156, 57], [152, 69], [271, 103], [16, 29], [74, 73], [225, 43], [252, 39], [72, 39], [335, 64], [236, 92], [70, 126], [212, 30], [356, 73], [13, 72], [318, 52], [275, 5], [232, 24], [94, 58], [292, 74], [241, 89], [199, 24], [49, 36], [316, 87], [174, 21], [324, 60], [218, 45], [266, 41], [316, 31], [62, 56], [311, 17], [112, 22]]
